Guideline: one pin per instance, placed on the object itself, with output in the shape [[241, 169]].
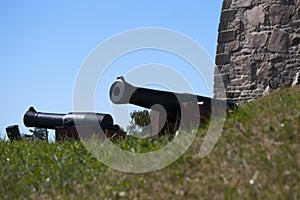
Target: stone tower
[[258, 47]]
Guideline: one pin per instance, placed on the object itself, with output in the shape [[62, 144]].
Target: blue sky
[[44, 43]]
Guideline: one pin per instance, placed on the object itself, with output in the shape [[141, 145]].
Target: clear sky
[[44, 43]]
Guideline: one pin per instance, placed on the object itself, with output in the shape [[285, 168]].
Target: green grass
[[257, 157]]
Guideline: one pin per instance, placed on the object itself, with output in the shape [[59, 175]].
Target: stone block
[[274, 82], [279, 41], [228, 15], [226, 36], [243, 3], [257, 40], [237, 82], [236, 24], [225, 77], [255, 16], [263, 71], [233, 94], [281, 14], [226, 4], [222, 59], [233, 46], [222, 26], [220, 48], [247, 51]]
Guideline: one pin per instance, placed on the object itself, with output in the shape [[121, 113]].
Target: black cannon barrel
[[122, 92], [32, 118]]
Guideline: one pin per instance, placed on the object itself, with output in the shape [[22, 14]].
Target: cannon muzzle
[[122, 92]]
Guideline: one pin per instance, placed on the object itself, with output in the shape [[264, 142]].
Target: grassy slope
[[257, 157]]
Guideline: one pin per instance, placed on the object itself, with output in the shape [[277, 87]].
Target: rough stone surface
[[222, 59], [255, 16], [226, 4], [227, 36], [258, 48], [257, 40], [228, 15], [280, 14], [233, 46], [243, 3], [295, 39], [279, 41]]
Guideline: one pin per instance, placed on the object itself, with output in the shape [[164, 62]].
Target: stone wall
[[258, 47]]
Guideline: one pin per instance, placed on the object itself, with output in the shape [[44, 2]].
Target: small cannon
[[67, 125], [168, 108], [13, 132]]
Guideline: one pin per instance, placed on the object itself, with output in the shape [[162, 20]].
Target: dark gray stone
[[279, 41], [295, 39], [222, 59], [226, 36], [257, 40], [281, 14], [233, 94], [296, 24], [225, 77], [226, 4], [274, 82], [222, 26], [220, 48], [228, 15]]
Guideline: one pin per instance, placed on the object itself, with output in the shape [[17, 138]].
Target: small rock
[[295, 39], [122, 194], [233, 46], [267, 91]]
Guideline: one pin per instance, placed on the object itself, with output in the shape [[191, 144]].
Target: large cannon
[[68, 124], [174, 105]]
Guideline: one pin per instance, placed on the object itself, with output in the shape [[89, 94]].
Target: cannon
[[172, 105], [66, 125], [13, 132]]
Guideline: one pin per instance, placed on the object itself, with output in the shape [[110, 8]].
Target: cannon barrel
[[32, 118], [122, 92]]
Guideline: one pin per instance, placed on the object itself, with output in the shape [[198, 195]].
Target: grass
[[257, 157]]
